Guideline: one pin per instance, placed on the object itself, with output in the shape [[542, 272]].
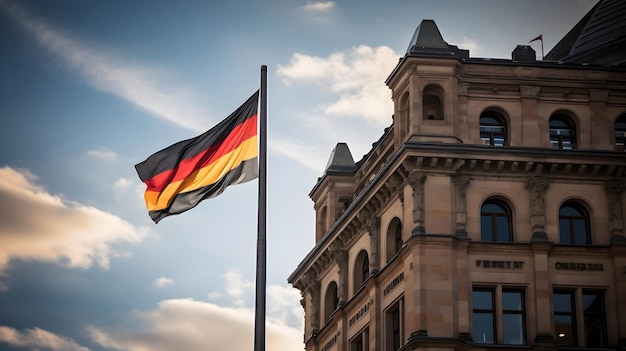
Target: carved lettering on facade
[[393, 284], [500, 264], [571, 266], [330, 343], [359, 314]]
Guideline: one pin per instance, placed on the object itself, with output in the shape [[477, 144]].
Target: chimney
[[524, 53]]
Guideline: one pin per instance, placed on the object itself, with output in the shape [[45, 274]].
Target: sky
[[90, 88]]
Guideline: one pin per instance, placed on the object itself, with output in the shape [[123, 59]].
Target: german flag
[[181, 175]]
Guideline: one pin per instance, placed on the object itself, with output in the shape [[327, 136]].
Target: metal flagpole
[[259, 319]]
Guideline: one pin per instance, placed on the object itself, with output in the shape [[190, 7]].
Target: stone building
[[490, 214]]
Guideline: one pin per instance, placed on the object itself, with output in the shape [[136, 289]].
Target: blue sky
[[90, 88]]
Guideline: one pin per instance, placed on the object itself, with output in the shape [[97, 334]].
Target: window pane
[[513, 329], [580, 231], [486, 231], [595, 319], [502, 227], [564, 232], [492, 208], [483, 328], [512, 300], [562, 302], [482, 300], [564, 329]]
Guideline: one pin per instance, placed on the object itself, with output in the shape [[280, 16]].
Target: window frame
[[559, 134], [487, 133], [498, 313], [394, 325], [580, 317], [619, 133], [507, 213], [571, 220]]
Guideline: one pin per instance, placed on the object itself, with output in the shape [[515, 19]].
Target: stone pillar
[[416, 180], [463, 129], [598, 128], [536, 190], [460, 187], [312, 287], [530, 120], [341, 258], [543, 294], [614, 190], [373, 228]]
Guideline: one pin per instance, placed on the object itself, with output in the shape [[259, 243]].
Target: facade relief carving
[[536, 191], [460, 189], [416, 181], [341, 258], [373, 228], [529, 91], [614, 191], [598, 95]]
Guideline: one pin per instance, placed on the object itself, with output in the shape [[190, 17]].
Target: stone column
[[614, 190], [312, 287], [416, 180], [460, 187], [597, 105], [373, 228], [530, 121], [536, 190], [341, 258]]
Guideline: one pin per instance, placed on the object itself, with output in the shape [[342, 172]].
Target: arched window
[[620, 133], [432, 103], [331, 301], [574, 224], [562, 132], [495, 222], [394, 238], [493, 129], [405, 116], [361, 269]]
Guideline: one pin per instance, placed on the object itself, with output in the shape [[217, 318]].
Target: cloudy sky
[[90, 88]]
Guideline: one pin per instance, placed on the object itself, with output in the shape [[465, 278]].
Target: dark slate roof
[[598, 38], [341, 161], [427, 41]]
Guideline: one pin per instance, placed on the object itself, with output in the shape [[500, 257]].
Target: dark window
[[574, 224], [513, 317], [432, 106], [620, 133], [331, 301], [483, 315], [365, 268], [595, 319], [562, 132], [394, 238], [495, 222], [493, 129], [360, 342], [564, 318], [393, 326]]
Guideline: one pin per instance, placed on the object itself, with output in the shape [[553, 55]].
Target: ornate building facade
[[490, 214]]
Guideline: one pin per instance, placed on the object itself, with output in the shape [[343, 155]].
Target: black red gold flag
[[180, 176]]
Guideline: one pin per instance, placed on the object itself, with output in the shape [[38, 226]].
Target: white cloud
[[356, 78], [186, 324], [124, 183], [161, 282], [36, 225], [237, 287], [138, 83], [320, 6], [102, 153], [38, 339]]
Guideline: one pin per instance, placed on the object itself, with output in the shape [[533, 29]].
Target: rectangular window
[[488, 304], [361, 341], [593, 330], [483, 316], [595, 319], [394, 322], [513, 317]]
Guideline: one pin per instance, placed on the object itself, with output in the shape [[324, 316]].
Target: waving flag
[[180, 176]]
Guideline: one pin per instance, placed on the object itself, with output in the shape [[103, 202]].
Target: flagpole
[[259, 319]]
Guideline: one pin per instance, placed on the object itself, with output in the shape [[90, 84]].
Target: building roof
[[598, 38], [341, 160]]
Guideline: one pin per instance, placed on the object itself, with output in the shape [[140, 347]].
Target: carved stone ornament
[[416, 181], [529, 91], [536, 190], [598, 95]]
